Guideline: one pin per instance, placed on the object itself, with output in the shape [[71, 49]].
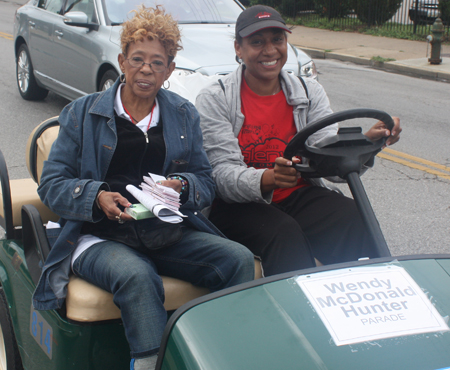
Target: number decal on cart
[[42, 332]]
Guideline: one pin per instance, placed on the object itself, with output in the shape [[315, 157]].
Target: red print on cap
[[263, 15]]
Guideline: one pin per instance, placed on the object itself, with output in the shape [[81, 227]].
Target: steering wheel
[[348, 151]]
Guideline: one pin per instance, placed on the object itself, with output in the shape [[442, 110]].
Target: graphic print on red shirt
[[268, 128]]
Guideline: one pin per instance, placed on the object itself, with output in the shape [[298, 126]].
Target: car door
[[74, 47], [40, 44]]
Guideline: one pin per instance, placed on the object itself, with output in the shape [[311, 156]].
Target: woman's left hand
[[379, 130]]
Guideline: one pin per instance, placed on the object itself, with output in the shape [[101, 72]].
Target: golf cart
[[383, 313]]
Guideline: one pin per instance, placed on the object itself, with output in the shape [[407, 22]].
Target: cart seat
[[85, 302], [16, 193], [23, 191]]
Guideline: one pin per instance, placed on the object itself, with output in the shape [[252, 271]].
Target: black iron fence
[[401, 17]]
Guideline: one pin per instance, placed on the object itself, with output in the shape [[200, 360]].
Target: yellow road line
[[415, 165], [416, 159], [6, 35]]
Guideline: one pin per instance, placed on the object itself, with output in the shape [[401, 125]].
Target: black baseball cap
[[259, 17]]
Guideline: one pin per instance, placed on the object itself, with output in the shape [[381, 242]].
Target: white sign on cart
[[369, 303]]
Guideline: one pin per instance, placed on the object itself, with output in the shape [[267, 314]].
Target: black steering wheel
[[348, 151], [343, 155]]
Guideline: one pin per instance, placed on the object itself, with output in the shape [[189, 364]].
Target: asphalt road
[[18, 117], [412, 203]]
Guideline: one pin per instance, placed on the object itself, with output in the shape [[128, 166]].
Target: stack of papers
[[162, 201]]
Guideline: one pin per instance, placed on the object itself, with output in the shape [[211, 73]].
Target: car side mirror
[[79, 19]]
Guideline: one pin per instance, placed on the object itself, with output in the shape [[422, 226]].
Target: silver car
[[71, 46]]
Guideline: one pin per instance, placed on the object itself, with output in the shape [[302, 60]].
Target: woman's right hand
[[283, 175], [109, 203]]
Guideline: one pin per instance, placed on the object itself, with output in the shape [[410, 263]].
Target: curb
[[401, 68], [392, 67]]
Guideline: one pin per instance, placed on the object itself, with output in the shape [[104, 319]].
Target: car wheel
[[108, 80], [9, 352], [26, 82]]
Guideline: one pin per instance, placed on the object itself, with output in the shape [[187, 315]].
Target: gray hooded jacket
[[221, 120]]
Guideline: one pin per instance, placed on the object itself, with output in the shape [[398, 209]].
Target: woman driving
[[247, 119], [109, 140]]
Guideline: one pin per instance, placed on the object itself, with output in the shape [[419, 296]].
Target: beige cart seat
[[23, 191], [86, 302]]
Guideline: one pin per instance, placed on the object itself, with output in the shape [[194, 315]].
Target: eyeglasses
[[157, 66]]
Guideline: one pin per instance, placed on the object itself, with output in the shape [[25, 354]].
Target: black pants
[[311, 222]]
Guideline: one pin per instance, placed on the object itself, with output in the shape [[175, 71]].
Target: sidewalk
[[411, 57]]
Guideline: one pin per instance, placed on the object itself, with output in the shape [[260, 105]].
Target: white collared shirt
[[142, 124]]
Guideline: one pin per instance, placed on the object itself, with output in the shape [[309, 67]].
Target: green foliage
[[444, 8], [272, 3], [375, 12], [381, 59], [399, 31], [333, 8], [304, 12], [285, 7], [303, 5]]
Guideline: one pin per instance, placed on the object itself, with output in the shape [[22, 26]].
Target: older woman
[[247, 121], [111, 139]]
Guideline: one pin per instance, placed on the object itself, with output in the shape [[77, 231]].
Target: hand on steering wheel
[[380, 130], [346, 152]]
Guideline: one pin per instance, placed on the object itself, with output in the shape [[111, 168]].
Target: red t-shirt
[[268, 128]]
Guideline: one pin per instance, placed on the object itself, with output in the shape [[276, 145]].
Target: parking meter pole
[[367, 213]]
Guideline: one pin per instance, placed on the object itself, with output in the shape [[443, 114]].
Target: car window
[[183, 11], [85, 6], [53, 6]]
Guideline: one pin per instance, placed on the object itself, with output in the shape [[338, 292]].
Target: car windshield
[[183, 11]]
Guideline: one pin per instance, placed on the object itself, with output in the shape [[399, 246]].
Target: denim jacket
[[79, 161]]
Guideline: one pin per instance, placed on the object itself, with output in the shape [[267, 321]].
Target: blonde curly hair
[[153, 24]]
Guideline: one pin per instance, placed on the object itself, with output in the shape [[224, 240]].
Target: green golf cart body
[[269, 323]]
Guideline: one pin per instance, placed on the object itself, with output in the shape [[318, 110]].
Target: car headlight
[[309, 70]]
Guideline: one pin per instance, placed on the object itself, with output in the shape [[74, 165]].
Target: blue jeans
[[200, 258]]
